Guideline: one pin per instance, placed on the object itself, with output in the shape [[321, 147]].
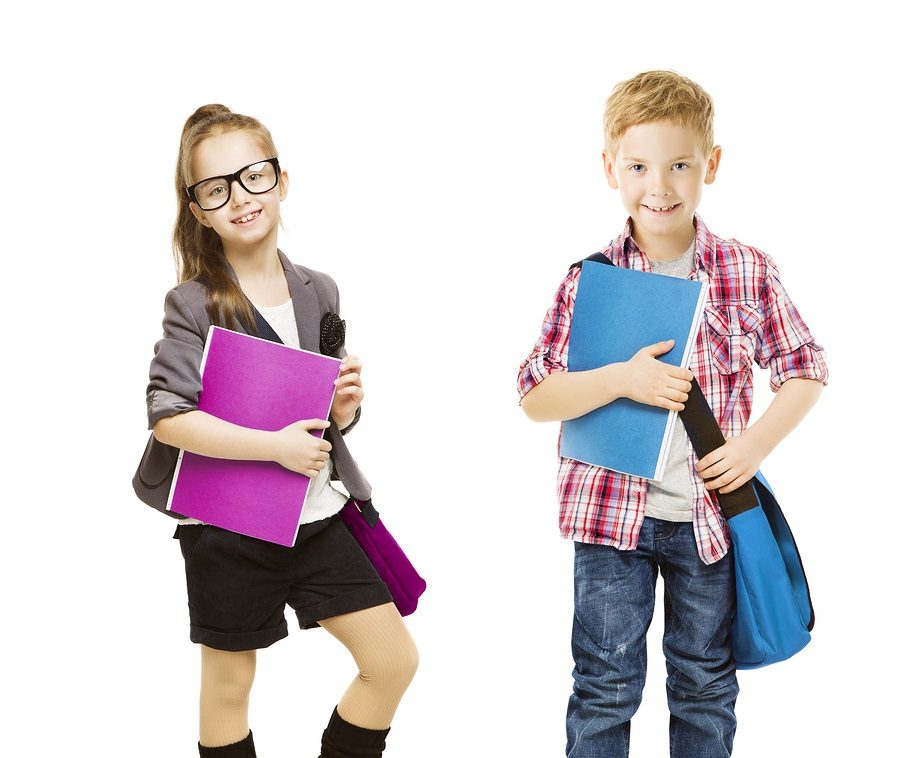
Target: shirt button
[[636, 489]]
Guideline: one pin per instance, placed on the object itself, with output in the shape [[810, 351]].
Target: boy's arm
[[798, 373], [737, 461], [570, 394], [549, 392]]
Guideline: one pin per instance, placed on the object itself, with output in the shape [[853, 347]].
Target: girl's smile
[[248, 221]]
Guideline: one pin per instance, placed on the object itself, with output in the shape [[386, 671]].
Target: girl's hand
[[652, 382], [297, 450], [349, 394], [736, 462]]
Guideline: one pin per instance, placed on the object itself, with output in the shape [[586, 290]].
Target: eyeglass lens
[[256, 179]]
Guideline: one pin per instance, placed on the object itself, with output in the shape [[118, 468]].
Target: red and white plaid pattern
[[749, 317]]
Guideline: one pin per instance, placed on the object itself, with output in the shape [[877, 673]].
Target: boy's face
[[660, 169]]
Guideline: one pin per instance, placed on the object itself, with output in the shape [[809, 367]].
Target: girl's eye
[[211, 190], [253, 178], [680, 166]]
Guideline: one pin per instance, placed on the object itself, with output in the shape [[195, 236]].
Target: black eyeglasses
[[256, 178]]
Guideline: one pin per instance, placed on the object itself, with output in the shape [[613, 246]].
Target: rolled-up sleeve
[[175, 369], [787, 347], [550, 353]]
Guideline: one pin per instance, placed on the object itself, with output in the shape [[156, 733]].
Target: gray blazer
[[175, 369]]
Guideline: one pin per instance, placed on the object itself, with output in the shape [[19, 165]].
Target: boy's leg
[[702, 686], [614, 595]]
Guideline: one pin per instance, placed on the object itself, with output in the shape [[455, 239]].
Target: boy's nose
[[658, 186]]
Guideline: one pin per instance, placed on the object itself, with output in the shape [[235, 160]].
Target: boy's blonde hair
[[658, 96]]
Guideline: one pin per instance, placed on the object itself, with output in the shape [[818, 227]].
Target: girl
[[229, 187]]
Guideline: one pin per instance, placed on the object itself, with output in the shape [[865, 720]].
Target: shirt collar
[[625, 252]]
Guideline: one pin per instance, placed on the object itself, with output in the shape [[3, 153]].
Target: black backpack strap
[[703, 431], [598, 257]]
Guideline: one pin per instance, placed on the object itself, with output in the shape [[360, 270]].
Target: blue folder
[[617, 312]]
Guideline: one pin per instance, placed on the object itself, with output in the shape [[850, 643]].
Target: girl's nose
[[238, 193]]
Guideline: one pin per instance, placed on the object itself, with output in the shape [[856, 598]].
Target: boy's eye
[[637, 168], [680, 166]]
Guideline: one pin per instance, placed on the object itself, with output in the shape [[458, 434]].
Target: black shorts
[[238, 586]]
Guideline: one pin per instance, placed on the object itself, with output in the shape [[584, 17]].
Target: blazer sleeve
[[342, 352], [175, 369]]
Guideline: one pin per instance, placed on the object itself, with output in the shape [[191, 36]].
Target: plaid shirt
[[748, 317]]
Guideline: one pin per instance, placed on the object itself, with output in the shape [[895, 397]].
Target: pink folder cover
[[262, 385]]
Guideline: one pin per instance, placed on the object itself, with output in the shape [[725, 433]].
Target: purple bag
[[382, 549]]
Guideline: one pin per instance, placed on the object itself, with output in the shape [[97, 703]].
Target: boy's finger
[[659, 348]]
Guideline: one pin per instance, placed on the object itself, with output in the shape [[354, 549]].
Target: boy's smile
[[659, 169]]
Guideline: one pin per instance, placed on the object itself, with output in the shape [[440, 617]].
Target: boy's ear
[[712, 165], [609, 170], [199, 214]]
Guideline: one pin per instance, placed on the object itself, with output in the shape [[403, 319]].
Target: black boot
[[344, 740], [242, 749]]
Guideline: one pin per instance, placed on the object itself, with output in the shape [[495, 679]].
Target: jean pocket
[[731, 330]]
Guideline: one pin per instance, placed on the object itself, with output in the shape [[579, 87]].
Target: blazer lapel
[[306, 304]]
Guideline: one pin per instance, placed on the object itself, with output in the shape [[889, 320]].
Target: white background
[[445, 170]]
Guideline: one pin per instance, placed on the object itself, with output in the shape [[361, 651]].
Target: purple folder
[[262, 385]]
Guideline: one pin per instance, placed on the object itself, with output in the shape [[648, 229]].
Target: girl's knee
[[394, 668], [226, 675], [408, 661]]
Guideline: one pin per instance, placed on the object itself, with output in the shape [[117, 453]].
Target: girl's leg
[[387, 659], [225, 682]]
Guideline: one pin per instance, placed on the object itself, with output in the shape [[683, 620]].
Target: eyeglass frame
[[230, 179]]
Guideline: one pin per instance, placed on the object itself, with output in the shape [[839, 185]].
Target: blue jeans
[[614, 598]]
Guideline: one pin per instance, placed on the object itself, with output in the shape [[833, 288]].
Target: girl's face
[[246, 222]]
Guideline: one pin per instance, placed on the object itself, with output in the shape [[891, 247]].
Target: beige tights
[[386, 657], [225, 682], [377, 639]]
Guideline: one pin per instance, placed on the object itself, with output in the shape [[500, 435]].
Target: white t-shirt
[[672, 498]]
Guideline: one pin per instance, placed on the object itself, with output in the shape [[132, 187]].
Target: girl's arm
[[292, 447]]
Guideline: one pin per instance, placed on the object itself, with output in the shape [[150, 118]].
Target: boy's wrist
[[761, 439], [615, 377]]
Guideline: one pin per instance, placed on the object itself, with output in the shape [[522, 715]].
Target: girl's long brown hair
[[198, 249]]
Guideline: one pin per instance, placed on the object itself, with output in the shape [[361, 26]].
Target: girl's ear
[[199, 214], [283, 184]]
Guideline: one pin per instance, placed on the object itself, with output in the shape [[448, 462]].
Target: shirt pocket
[[732, 330]]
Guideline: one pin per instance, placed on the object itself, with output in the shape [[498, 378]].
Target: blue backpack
[[774, 613]]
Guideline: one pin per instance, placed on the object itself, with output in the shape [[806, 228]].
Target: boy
[[659, 153]]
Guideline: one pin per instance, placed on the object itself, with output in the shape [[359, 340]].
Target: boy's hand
[[652, 382], [736, 462], [349, 394], [297, 450]]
